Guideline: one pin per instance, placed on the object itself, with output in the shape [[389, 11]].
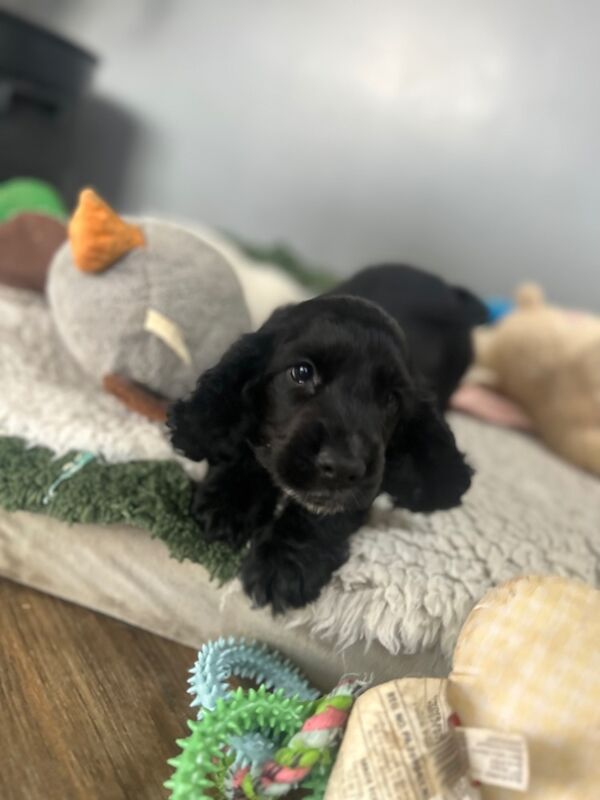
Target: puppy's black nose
[[340, 468]]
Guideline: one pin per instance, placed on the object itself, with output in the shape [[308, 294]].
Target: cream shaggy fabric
[[411, 579]]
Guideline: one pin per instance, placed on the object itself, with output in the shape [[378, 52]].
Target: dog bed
[[121, 571], [408, 587], [406, 590]]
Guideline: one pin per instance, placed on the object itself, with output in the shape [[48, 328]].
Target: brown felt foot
[[136, 397]]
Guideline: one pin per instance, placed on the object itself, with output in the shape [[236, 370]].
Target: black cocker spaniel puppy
[[306, 421]]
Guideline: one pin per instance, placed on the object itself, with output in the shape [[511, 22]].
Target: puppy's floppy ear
[[424, 469], [216, 418]]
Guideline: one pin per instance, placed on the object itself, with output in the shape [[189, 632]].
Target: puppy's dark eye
[[302, 373], [392, 399]]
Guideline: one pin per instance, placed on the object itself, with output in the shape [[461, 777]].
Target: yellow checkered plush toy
[[519, 716]]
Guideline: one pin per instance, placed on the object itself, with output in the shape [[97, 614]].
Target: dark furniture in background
[[43, 81]]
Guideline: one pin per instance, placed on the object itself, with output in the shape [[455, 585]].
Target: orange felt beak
[[98, 236]]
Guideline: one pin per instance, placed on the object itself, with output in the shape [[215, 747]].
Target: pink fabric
[[287, 775], [239, 776], [484, 403], [330, 718]]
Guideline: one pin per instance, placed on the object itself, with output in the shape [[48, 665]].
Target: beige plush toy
[[547, 360], [519, 713]]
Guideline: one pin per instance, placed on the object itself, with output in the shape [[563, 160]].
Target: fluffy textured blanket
[[411, 579]]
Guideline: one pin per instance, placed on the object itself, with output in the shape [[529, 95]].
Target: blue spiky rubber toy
[[258, 743]]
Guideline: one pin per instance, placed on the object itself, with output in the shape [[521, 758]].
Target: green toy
[[204, 754], [21, 195], [249, 745]]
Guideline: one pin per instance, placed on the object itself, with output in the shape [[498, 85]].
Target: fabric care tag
[[401, 744], [496, 758]]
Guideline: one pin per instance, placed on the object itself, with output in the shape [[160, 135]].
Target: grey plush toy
[[143, 307]]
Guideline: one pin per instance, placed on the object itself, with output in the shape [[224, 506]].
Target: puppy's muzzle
[[338, 470]]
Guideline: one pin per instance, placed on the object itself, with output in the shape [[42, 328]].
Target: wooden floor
[[89, 707]]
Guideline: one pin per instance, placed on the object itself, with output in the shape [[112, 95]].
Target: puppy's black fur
[[305, 422], [436, 319]]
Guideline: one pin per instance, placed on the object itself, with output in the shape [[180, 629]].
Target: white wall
[[460, 135]]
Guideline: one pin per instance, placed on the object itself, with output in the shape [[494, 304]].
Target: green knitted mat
[[154, 495]]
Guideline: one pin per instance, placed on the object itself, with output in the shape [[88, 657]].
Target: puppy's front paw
[[220, 521], [271, 576]]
